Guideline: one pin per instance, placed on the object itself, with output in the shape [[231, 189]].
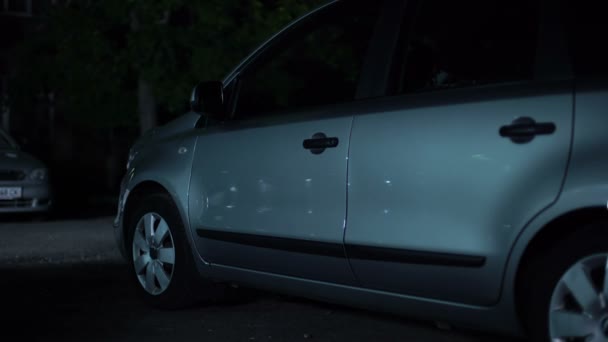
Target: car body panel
[[12, 158], [500, 318], [586, 184], [162, 156], [590, 143], [265, 184], [250, 216], [430, 179]]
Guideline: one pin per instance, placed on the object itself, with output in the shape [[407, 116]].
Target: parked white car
[[24, 180]]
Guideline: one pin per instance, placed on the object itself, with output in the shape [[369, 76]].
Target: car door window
[[318, 63], [449, 44], [587, 27]]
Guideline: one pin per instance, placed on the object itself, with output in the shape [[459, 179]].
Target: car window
[[447, 44], [318, 63], [587, 27]]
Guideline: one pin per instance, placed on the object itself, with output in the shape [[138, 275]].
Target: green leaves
[[91, 53]]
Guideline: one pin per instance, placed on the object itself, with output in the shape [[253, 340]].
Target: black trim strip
[[353, 251], [413, 257], [286, 244]]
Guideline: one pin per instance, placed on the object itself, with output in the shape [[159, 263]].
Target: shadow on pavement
[[98, 302], [83, 302]]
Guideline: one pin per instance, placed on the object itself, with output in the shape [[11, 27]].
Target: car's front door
[[268, 188], [444, 176]]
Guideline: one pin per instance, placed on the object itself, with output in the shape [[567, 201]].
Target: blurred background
[[81, 80]]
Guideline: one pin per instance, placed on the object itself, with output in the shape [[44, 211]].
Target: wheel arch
[[557, 229], [138, 192]]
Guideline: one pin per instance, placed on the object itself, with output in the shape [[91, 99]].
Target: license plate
[[9, 193]]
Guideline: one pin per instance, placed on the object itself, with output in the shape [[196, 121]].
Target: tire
[[161, 264], [566, 298]]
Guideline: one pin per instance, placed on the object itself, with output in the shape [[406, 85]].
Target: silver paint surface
[[262, 181]]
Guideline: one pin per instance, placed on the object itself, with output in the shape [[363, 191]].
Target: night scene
[[304, 170]]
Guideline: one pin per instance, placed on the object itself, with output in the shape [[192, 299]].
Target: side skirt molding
[[343, 251]]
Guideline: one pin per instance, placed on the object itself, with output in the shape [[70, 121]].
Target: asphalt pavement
[[65, 281]]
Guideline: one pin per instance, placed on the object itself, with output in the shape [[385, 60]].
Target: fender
[[591, 196], [585, 185], [174, 156]]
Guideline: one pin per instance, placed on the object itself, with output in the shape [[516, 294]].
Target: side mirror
[[208, 98]]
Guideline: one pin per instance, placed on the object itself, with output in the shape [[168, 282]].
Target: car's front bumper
[[35, 198]]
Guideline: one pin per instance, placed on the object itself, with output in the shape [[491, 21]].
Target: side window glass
[[587, 27], [318, 63], [467, 43]]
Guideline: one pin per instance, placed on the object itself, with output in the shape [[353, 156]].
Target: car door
[[268, 188], [473, 144]]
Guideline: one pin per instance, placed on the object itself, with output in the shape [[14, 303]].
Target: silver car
[[24, 183], [438, 159]]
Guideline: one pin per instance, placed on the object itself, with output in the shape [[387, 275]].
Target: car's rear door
[[473, 144], [268, 188]]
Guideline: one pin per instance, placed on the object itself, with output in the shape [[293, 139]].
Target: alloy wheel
[[153, 253], [578, 308]]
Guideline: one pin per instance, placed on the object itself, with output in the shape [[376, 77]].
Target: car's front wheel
[[161, 260], [568, 297]]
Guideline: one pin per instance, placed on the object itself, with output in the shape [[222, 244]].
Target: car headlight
[[39, 175]]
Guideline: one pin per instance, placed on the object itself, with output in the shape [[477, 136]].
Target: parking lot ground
[[65, 281]]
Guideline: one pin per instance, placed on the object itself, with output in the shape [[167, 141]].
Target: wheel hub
[[153, 253]]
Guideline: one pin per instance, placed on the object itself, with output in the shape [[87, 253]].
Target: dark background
[[82, 80]]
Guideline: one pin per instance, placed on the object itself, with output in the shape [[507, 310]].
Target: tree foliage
[[92, 53]]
